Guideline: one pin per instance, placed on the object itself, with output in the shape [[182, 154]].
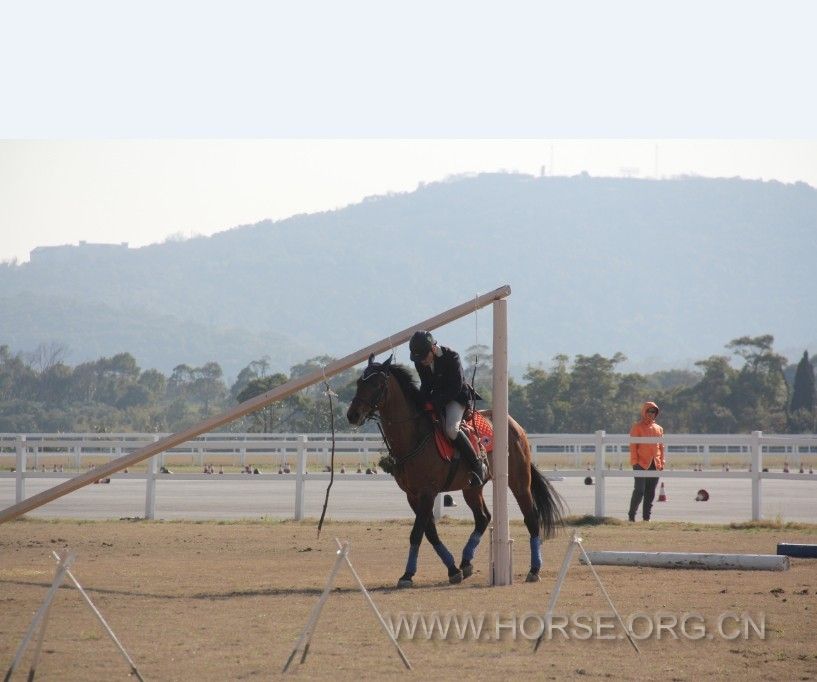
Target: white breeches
[[452, 418]]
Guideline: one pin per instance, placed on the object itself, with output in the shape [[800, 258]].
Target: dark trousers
[[643, 488]]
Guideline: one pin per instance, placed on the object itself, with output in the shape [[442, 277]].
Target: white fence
[[598, 454]]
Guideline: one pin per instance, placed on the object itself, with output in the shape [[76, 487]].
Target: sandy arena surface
[[227, 601]]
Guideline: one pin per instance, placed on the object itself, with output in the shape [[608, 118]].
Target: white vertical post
[[599, 473], [438, 507], [20, 470], [150, 486], [502, 534], [78, 457], [757, 468], [300, 467]]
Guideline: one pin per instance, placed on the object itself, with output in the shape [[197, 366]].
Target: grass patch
[[590, 520], [772, 524]]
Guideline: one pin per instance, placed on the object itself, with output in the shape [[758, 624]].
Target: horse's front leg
[[415, 538], [455, 574], [423, 506]]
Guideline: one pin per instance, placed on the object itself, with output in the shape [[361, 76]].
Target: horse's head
[[371, 391]]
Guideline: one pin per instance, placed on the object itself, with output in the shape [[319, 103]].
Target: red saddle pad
[[479, 430]]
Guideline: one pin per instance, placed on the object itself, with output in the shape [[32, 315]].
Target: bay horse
[[390, 391]]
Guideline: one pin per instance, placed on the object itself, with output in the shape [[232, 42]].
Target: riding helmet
[[421, 342]]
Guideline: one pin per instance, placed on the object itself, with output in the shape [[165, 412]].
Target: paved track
[[371, 500]]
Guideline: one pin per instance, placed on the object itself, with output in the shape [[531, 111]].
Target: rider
[[442, 382]]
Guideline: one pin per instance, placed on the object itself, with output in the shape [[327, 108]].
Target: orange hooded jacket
[[645, 453]]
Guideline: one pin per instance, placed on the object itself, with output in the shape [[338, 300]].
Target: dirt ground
[[228, 601]]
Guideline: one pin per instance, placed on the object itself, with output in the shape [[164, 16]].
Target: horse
[[389, 391]]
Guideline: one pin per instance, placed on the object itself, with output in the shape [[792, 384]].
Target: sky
[[138, 122]]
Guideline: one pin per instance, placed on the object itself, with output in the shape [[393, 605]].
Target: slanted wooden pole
[[278, 393]]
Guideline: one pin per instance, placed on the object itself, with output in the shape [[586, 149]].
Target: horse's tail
[[549, 504]]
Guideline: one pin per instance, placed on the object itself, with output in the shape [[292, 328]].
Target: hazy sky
[[142, 191]]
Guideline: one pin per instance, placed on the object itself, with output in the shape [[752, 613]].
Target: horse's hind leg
[[531, 516], [455, 575], [519, 481], [475, 500]]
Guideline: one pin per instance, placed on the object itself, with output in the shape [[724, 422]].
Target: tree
[[760, 395], [593, 385], [276, 415], [207, 386], [804, 395], [804, 398], [154, 382], [478, 366], [45, 356], [257, 369], [709, 401], [547, 396], [180, 380]]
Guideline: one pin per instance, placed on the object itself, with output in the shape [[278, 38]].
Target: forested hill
[[664, 271]]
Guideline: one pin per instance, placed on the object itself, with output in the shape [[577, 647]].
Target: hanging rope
[[329, 394]]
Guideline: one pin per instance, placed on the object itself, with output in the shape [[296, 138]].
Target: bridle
[[374, 406], [380, 397]]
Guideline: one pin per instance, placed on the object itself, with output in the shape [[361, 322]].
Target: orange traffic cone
[[662, 496]]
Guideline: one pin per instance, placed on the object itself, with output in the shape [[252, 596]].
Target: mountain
[[666, 271]]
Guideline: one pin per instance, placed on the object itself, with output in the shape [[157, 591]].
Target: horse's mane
[[407, 383]]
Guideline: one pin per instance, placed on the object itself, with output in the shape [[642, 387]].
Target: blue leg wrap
[[445, 555], [411, 564], [535, 553], [471, 547]]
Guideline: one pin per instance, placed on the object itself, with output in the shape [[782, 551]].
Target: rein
[[400, 459], [375, 406]]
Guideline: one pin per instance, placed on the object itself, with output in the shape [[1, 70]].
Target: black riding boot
[[479, 472]]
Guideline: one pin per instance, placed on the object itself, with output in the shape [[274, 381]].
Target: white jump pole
[[501, 546], [278, 393], [717, 562]]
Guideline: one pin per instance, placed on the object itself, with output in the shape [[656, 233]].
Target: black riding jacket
[[446, 382]]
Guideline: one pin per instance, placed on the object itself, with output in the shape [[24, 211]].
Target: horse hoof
[[467, 570], [532, 577], [404, 582]]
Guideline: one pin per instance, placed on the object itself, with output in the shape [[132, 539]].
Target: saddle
[[476, 426]]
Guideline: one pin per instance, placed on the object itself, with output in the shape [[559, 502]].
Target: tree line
[[39, 392]]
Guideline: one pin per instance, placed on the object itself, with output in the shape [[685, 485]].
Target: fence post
[[150, 486], [438, 507], [20, 470], [300, 467], [757, 471], [599, 473]]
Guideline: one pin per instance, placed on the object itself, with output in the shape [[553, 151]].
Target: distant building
[[60, 254]]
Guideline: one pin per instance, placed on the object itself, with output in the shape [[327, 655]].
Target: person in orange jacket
[[643, 457]]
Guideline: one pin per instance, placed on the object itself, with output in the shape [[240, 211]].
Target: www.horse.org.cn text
[[584, 625]]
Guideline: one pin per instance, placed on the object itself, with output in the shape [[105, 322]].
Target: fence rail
[[598, 454]]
